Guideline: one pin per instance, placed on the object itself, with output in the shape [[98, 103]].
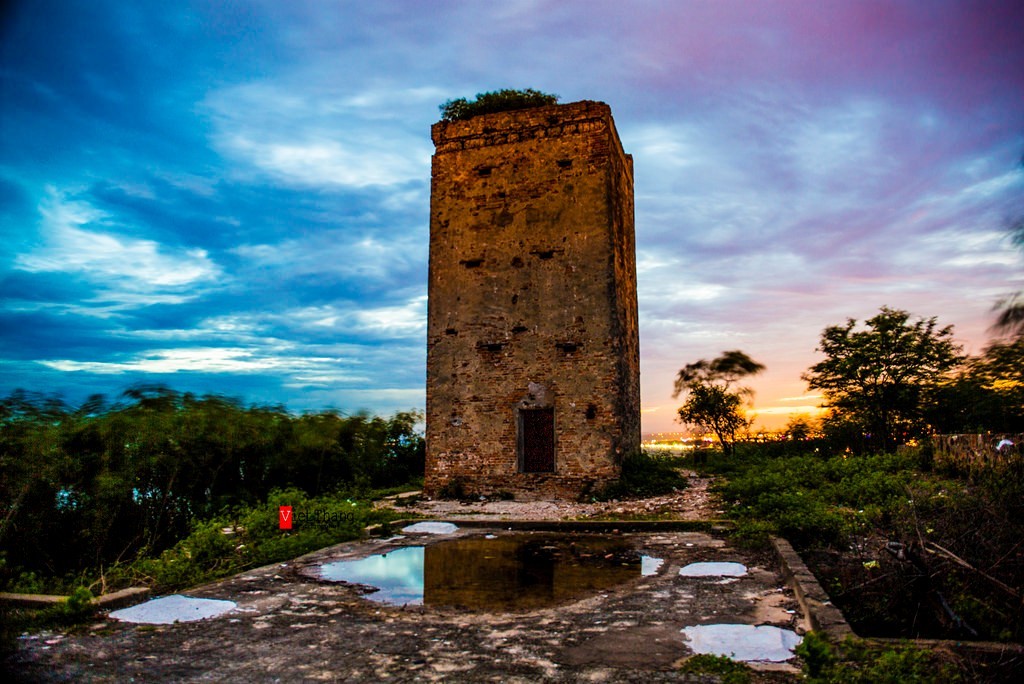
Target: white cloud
[[401, 321], [134, 270], [216, 360], [324, 162], [339, 252], [322, 138]]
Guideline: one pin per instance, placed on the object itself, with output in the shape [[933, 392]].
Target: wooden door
[[537, 440]]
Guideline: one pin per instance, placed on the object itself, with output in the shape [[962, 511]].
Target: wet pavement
[[291, 624]]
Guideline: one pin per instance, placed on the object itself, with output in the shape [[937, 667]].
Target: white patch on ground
[[747, 643], [167, 610], [713, 570], [650, 565], [430, 528]]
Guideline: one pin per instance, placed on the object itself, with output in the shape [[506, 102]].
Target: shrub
[[207, 553], [496, 101], [644, 475], [854, 662], [726, 670]]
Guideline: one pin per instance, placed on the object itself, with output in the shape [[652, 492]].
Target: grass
[[254, 539], [903, 550], [857, 662]]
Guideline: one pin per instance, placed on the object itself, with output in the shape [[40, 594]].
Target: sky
[[233, 197]]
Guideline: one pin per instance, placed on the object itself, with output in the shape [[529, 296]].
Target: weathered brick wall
[[532, 298]]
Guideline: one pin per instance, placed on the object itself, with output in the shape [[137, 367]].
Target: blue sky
[[234, 197]]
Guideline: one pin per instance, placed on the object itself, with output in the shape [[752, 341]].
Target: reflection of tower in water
[[521, 572]]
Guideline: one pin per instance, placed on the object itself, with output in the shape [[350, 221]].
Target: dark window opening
[[515, 299], [545, 254], [565, 163], [520, 329], [490, 346], [591, 412], [484, 171], [451, 331], [537, 440], [472, 263], [567, 347]]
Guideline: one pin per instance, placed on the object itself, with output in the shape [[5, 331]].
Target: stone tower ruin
[[533, 363]]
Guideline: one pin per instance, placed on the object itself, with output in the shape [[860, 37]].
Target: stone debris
[[692, 503]]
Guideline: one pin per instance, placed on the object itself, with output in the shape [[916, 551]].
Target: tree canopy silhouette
[[877, 378], [713, 402]]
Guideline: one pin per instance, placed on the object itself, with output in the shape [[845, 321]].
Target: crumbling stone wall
[[532, 323]]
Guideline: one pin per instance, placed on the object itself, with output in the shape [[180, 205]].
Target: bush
[[93, 486], [854, 662], [888, 541], [496, 101], [727, 671], [256, 539], [645, 475]]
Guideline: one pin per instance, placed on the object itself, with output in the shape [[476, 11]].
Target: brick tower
[[533, 362]]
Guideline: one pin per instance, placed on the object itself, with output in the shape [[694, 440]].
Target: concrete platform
[[289, 625]]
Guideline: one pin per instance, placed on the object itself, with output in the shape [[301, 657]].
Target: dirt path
[[693, 503]]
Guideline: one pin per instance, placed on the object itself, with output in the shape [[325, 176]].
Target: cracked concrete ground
[[291, 626]]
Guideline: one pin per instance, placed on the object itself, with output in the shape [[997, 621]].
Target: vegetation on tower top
[[503, 100]]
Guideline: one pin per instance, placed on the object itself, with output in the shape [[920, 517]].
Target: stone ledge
[[568, 525], [814, 602], [117, 599], [826, 618]]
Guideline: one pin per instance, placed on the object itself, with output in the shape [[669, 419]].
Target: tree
[[1011, 309], [986, 394], [878, 377], [799, 428], [712, 402]]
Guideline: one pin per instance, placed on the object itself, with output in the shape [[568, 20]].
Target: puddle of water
[[430, 528], [649, 565], [167, 610], [514, 572], [713, 570], [397, 575], [748, 643]]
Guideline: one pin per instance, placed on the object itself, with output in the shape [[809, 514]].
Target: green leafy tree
[[1011, 309], [878, 378], [713, 401], [89, 487], [495, 101], [986, 395]]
